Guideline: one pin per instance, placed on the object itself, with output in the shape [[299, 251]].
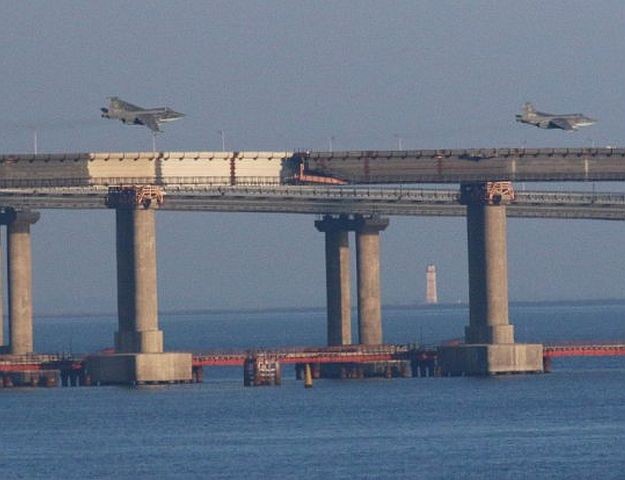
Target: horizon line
[[397, 306]]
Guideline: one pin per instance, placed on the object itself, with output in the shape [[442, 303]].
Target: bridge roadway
[[469, 165], [371, 166], [329, 200]]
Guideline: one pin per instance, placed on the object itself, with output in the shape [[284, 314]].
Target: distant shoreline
[[318, 309]]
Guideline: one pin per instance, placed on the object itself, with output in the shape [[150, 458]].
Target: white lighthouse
[[431, 297]]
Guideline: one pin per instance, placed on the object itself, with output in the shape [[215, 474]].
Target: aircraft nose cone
[[588, 121]]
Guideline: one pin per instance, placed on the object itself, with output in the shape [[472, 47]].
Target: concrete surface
[[338, 279], [488, 276], [480, 360], [19, 280], [368, 278], [139, 368], [137, 299]]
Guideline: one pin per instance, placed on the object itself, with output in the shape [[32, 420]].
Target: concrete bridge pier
[[339, 324], [19, 279], [137, 303], [368, 276], [3, 348], [489, 339], [367, 230], [139, 356], [488, 276]]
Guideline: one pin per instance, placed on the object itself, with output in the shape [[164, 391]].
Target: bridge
[[354, 167], [135, 185], [470, 165], [324, 200]]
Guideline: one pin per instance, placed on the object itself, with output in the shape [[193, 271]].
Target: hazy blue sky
[[278, 75]]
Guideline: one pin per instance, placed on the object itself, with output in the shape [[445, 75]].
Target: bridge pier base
[[139, 356], [547, 363], [140, 368], [489, 347], [481, 360]]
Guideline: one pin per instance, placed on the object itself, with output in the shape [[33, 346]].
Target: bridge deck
[[466, 165], [237, 168], [329, 200]]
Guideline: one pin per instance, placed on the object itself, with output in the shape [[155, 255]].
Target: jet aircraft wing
[[562, 123], [149, 121], [122, 105]]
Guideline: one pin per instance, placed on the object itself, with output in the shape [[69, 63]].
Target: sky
[[283, 75]]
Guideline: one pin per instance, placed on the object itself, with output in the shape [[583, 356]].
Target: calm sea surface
[[568, 424]]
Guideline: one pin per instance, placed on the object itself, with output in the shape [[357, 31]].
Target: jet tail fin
[[528, 108]]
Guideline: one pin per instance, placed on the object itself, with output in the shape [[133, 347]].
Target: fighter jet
[[567, 121], [130, 114]]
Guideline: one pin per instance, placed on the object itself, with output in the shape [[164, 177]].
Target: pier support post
[[139, 356], [336, 231], [368, 274], [137, 302], [19, 278], [489, 339], [488, 275], [3, 348]]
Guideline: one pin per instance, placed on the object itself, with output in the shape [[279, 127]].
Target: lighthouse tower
[[431, 297]]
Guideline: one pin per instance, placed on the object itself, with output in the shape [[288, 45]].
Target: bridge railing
[[328, 193], [371, 196], [83, 181], [37, 358], [389, 349]]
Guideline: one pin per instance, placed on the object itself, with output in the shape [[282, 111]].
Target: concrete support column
[[19, 279], [488, 276], [336, 231], [489, 347], [3, 347], [139, 356], [137, 300], [368, 275]]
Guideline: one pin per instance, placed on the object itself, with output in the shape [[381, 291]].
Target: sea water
[[567, 424]]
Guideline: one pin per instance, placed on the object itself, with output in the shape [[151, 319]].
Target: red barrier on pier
[[294, 355], [341, 354], [592, 350]]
